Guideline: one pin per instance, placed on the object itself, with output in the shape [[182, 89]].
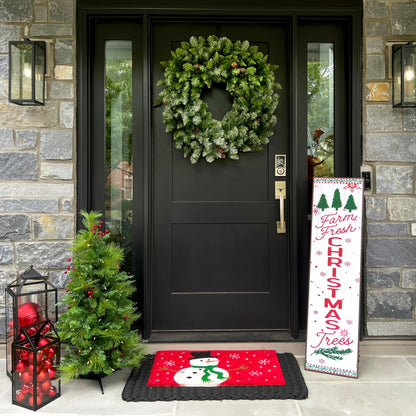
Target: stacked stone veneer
[[390, 150], [37, 151]]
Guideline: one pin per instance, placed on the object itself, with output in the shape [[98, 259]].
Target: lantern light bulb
[[409, 74]]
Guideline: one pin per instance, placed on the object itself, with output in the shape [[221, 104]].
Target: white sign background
[[335, 277]]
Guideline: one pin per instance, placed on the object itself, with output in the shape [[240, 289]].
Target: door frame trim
[[88, 10]]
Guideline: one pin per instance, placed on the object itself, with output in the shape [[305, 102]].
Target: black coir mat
[[136, 389]]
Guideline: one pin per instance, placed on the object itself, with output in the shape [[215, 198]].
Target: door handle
[[280, 194]]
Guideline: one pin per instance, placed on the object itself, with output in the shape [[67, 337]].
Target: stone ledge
[[36, 190]]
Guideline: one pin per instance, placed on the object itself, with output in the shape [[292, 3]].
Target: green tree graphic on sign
[[323, 203], [336, 200], [350, 205]]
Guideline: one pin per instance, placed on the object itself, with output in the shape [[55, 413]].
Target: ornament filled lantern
[[27, 65], [30, 301], [404, 75], [36, 356]]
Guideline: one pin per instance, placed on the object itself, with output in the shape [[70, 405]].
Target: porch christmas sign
[[335, 276]]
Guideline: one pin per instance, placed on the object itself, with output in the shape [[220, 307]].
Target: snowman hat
[[202, 354]]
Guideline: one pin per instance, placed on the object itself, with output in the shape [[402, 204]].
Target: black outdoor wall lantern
[[30, 300], [27, 66], [404, 75]]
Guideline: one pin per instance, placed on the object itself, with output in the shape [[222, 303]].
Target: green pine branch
[[333, 353]]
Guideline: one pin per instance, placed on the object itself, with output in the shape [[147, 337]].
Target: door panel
[[218, 262]]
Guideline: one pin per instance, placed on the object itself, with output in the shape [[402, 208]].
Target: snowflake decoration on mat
[[169, 363], [255, 373], [234, 356], [264, 361], [321, 361], [348, 240], [349, 322], [344, 333]]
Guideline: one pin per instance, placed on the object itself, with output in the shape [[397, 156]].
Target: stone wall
[[390, 150], [37, 148]]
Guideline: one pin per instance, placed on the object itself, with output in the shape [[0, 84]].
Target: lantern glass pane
[[409, 62], [36, 356], [397, 84], [39, 73], [21, 67]]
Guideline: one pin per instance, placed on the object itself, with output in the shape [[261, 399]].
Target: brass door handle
[[280, 194]]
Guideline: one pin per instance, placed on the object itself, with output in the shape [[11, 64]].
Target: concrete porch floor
[[386, 386]]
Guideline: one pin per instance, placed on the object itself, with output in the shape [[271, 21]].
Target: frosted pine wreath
[[248, 77]]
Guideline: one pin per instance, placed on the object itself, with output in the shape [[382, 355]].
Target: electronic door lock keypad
[[279, 165]]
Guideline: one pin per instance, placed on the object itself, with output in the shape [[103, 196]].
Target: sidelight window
[[118, 142], [320, 110]]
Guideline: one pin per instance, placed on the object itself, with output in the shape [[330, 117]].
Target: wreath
[[196, 67]]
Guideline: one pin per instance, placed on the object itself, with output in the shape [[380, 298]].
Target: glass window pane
[[320, 110], [118, 136], [409, 74]]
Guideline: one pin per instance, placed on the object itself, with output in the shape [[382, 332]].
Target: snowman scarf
[[208, 370]]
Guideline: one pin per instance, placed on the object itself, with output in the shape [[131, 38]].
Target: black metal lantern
[[27, 66], [36, 356], [30, 300], [404, 75]]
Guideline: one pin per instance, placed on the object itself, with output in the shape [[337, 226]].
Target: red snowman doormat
[[214, 368], [228, 374]]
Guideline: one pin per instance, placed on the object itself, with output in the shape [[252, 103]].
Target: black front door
[[219, 263], [202, 239]]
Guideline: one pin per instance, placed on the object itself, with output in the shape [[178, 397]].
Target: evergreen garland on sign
[[333, 353], [96, 328], [202, 63]]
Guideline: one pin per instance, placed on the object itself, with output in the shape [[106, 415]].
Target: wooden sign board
[[335, 277]]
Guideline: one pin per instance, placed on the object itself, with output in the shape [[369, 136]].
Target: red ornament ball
[[29, 313], [46, 386], [42, 342], [43, 376], [38, 400], [52, 391], [25, 389], [26, 377], [20, 367], [51, 373], [20, 396]]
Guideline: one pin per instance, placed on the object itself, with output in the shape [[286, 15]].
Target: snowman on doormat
[[203, 371]]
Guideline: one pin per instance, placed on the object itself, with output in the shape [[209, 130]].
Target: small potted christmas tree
[[96, 328]]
